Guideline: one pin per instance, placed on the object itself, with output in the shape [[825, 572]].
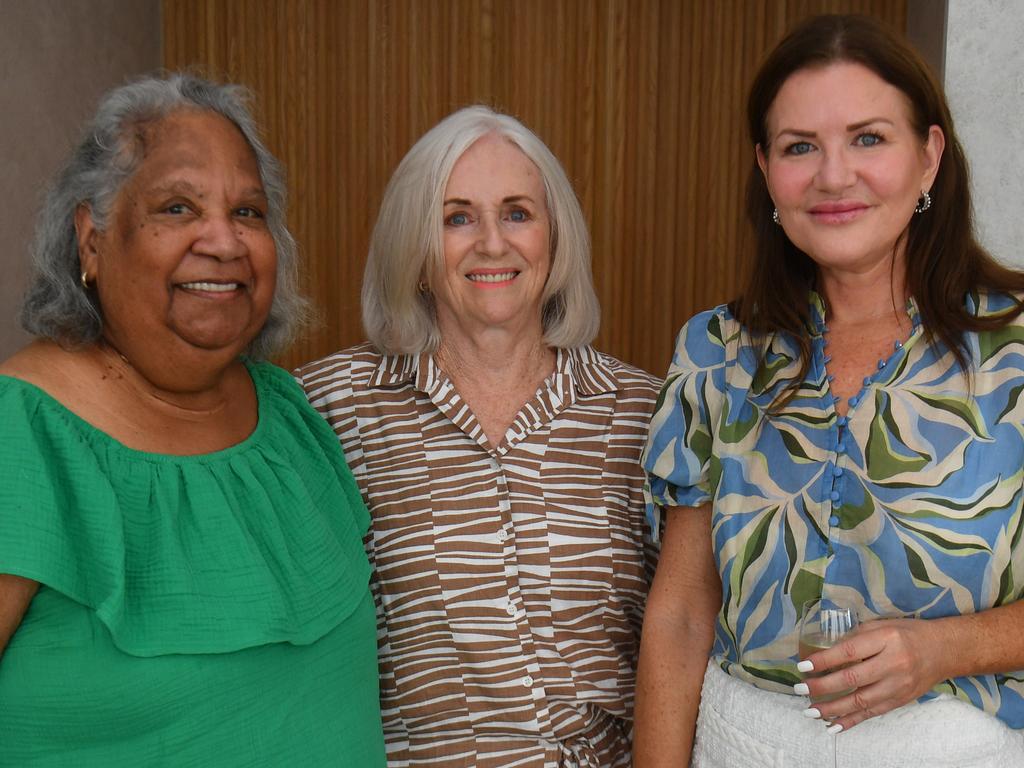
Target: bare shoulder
[[42, 363]]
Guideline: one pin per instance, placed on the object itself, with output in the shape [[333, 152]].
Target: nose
[[220, 238], [836, 171], [491, 237]]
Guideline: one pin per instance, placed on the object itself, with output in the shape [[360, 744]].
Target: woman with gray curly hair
[[182, 580]]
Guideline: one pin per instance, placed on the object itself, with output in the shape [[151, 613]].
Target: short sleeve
[[679, 451]]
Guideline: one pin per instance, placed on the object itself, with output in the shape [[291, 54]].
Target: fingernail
[[811, 712], [801, 689], [834, 729], [805, 666]]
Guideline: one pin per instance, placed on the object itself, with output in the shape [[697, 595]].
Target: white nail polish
[[801, 689], [805, 666], [811, 712], [834, 729]]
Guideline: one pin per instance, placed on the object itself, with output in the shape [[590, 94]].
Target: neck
[[178, 391], [865, 297], [495, 357]]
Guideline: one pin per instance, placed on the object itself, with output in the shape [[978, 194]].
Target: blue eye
[[518, 215], [799, 148], [457, 220], [176, 209], [869, 139]]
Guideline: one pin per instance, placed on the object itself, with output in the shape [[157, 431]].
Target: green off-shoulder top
[[209, 610]]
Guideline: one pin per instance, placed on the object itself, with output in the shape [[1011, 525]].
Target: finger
[[847, 678], [851, 649], [861, 704]]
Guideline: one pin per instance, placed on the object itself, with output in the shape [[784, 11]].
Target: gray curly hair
[[55, 305]]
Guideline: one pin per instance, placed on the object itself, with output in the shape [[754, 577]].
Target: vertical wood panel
[[641, 100]]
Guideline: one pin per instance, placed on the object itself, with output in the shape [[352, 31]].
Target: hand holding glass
[[823, 623]]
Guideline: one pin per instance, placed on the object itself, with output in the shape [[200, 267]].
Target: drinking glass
[[823, 623]]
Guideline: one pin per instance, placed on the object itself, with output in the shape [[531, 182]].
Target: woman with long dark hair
[[847, 430]]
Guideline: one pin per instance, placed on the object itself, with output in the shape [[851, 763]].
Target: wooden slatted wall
[[641, 100]]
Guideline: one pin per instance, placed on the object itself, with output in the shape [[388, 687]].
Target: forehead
[[190, 139], [493, 161], [841, 93]]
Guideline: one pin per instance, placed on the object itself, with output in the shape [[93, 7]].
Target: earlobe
[[87, 235]]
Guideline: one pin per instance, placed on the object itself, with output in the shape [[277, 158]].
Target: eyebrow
[[850, 128], [509, 199], [181, 186]]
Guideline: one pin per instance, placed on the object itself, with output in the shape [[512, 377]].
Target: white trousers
[[741, 726]]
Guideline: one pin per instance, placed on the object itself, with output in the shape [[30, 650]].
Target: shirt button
[[833, 521], [527, 682], [841, 448], [510, 609], [837, 471], [834, 496], [502, 534]]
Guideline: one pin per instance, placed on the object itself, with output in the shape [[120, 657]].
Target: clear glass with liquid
[[823, 623]]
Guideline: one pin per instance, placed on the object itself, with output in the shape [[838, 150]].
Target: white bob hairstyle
[[407, 242]]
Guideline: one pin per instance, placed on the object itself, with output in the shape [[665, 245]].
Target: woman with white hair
[[498, 454], [182, 578]]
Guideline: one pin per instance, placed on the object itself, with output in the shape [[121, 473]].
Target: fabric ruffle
[[259, 543]]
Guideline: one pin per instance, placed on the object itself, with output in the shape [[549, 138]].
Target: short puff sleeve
[[678, 458]]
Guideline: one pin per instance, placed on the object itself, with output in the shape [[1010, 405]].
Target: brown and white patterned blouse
[[510, 582]]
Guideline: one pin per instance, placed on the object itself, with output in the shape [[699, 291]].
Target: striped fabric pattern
[[509, 582]]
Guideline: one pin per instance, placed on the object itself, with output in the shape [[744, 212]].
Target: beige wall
[[56, 58], [985, 83]]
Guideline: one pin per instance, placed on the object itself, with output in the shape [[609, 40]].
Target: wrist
[[950, 638]]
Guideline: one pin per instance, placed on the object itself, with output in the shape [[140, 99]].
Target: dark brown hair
[[943, 259]]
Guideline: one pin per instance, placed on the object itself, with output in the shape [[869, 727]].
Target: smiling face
[[186, 262], [845, 166], [496, 242]]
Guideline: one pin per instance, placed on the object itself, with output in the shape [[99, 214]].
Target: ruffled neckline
[[97, 436], [258, 543]]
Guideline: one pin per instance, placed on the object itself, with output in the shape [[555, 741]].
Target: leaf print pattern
[[911, 506]]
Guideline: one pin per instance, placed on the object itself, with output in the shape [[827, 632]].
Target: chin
[[218, 332], [220, 340]]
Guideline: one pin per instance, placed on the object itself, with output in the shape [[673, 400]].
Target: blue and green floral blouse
[[909, 506]]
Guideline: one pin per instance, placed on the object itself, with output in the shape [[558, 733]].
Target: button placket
[[837, 473]]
